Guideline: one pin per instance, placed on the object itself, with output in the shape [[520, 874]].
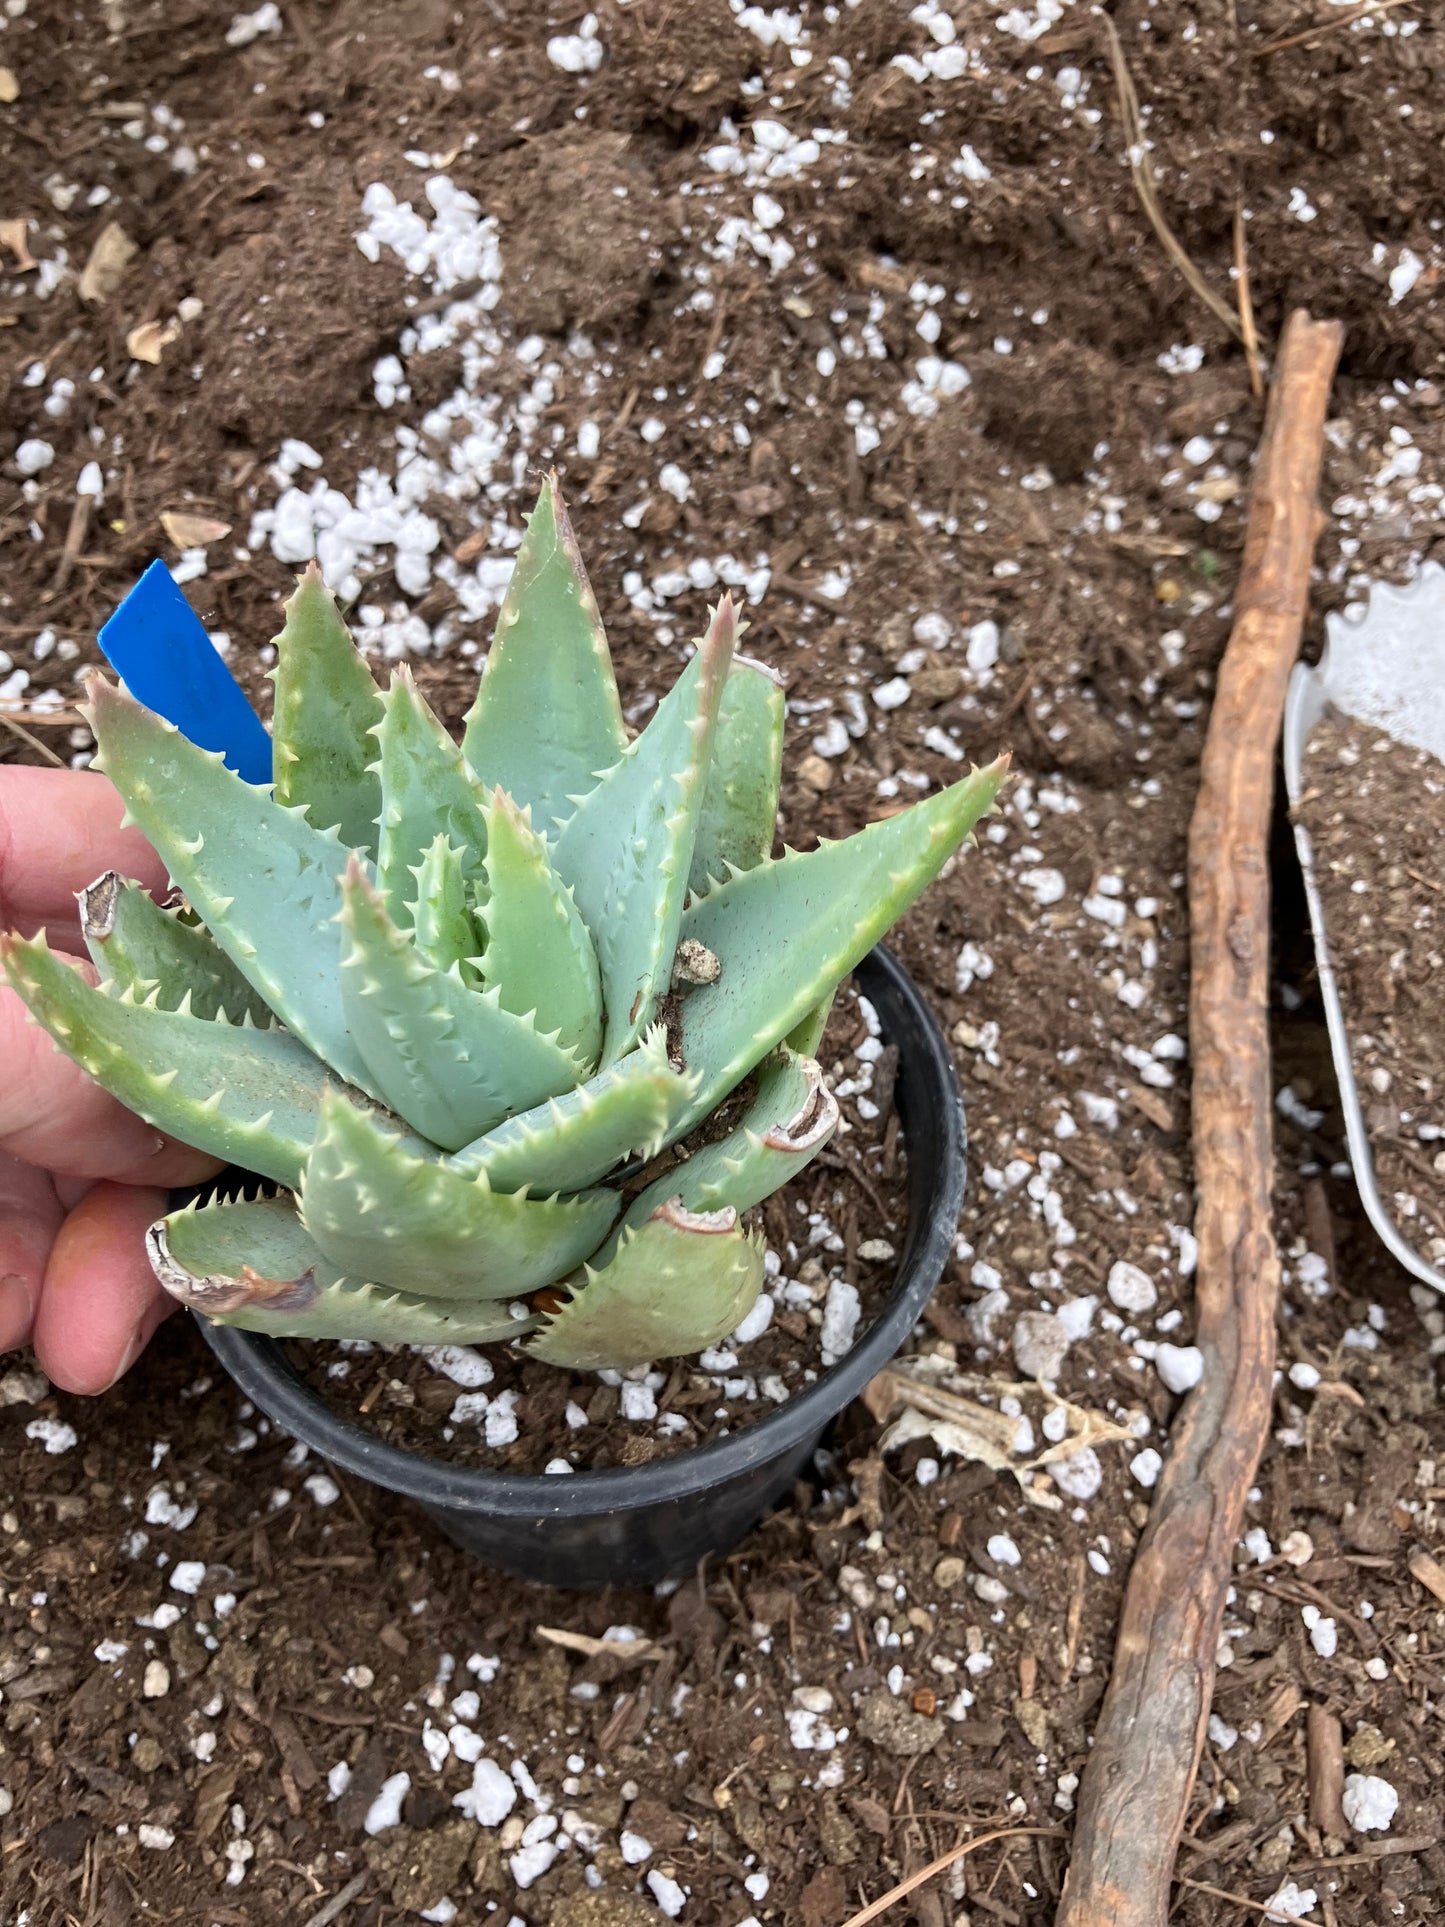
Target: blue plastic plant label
[[159, 648]]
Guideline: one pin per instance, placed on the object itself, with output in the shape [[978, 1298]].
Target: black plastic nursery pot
[[633, 1525]]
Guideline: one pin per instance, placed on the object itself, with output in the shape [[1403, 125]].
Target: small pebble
[[1040, 1344], [1131, 1289]]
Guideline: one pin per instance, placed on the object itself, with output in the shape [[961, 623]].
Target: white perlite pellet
[[1180, 1366], [1080, 1475], [459, 1363], [841, 1311], [1291, 1902], [34, 455], [385, 1810], [490, 1797], [1369, 1802], [577, 53], [668, 1895], [1323, 1632]]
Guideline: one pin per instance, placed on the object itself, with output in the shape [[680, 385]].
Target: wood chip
[[149, 341], [14, 234], [9, 86], [634, 1650], [1429, 1572], [190, 531], [1279, 1709], [109, 258], [1155, 1107], [1326, 1762]]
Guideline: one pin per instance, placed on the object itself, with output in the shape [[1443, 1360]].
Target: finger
[[100, 1302], [30, 1216], [59, 830], [53, 1115]]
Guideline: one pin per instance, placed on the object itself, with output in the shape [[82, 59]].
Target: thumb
[[100, 1301]]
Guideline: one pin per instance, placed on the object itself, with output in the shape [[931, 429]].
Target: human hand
[[81, 1177]]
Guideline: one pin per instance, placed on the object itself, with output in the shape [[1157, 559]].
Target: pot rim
[[935, 1197]]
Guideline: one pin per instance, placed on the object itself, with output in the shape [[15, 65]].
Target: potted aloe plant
[[442, 997]]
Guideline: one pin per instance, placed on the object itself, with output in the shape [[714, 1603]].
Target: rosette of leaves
[[439, 994]]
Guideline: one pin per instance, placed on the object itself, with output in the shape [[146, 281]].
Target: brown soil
[[822, 1229], [1084, 494], [1375, 811]]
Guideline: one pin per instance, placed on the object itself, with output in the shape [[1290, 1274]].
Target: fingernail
[[135, 1345], [17, 1308]]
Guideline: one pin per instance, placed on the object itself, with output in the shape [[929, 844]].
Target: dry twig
[[74, 542], [338, 1902], [38, 718], [1146, 187], [944, 1861], [41, 749], [1248, 332], [1327, 26], [1136, 1785], [1237, 1900]]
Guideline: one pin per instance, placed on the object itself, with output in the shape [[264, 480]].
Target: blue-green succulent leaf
[[740, 801], [327, 705], [448, 1059], [443, 927], [539, 958], [546, 721], [253, 1265], [792, 1116], [572, 1141], [627, 850], [426, 791], [787, 932], [133, 942], [806, 1037], [263, 880], [675, 1284], [387, 1208], [251, 1097]]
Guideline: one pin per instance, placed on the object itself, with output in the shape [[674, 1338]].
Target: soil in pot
[[832, 1237], [1375, 811]]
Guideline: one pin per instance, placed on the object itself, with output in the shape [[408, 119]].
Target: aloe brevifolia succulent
[[438, 992]]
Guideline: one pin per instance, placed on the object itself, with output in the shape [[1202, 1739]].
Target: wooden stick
[[1139, 1776]]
